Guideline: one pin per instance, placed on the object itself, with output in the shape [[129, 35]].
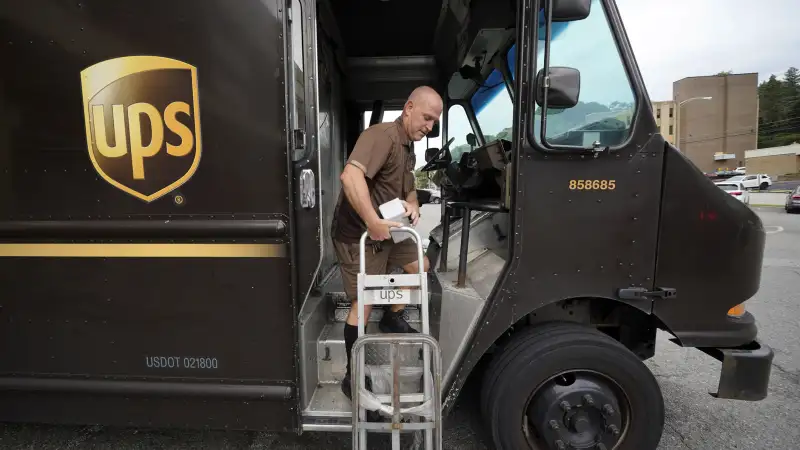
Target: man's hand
[[412, 212], [379, 229]]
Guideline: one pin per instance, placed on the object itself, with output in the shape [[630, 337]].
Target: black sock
[[350, 336]]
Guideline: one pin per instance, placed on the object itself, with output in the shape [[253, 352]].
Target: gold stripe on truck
[[41, 250]]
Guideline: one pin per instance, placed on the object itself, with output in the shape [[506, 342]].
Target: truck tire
[[564, 385], [764, 186]]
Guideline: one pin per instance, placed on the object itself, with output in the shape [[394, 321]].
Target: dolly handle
[[417, 238]]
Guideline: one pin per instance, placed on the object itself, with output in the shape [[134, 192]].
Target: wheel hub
[[577, 411]]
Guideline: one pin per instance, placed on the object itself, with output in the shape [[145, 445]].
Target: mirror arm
[[542, 84], [548, 23], [546, 85]]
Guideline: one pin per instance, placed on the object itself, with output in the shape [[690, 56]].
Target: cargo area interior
[[371, 55]]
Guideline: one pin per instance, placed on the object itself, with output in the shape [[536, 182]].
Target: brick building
[[715, 133], [664, 112], [774, 161]]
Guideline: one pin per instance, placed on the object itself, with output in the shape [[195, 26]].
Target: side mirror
[[570, 10], [472, 140], [434, 131], [430, 153], [564, 87]]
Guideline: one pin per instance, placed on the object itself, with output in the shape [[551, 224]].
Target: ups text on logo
[[142, 123]]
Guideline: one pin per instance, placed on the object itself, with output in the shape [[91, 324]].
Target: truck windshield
[[493, 108]]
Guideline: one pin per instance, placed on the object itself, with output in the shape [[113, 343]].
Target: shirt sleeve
[[371, 152]]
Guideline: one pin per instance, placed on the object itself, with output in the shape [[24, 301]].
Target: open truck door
[[310, 143], [149, 223]]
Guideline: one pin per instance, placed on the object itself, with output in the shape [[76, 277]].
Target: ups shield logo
[[142, 123]]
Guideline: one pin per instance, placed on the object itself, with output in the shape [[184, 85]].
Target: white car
[[759, 181], [736, 189]]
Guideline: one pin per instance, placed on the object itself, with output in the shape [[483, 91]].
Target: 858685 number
[[592, 185]]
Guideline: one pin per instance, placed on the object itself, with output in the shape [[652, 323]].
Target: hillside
[[562, 120]]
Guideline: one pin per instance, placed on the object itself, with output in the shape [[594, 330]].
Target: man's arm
[[368, 156], [357, 193]]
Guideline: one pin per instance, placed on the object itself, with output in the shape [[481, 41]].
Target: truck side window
[[607, 102], [299, 85], [458, 127]]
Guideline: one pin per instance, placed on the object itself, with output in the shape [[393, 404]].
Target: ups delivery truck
[[169, 176]]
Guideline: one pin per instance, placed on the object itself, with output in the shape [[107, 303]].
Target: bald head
[[421, 111]]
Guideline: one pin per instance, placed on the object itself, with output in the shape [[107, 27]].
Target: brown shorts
[[390, 257]]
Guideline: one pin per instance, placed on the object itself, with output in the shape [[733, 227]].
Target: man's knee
[[413, 267]]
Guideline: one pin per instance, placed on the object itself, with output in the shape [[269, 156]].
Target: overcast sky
[[681, 38]]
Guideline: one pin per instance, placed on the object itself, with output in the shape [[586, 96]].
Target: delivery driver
[[380, 169]]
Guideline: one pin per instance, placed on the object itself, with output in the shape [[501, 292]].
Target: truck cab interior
[[370, 55]]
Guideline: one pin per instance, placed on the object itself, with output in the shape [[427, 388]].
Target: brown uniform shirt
[[386, 155]]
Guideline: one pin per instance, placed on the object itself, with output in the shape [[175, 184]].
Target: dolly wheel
[[568, 386]]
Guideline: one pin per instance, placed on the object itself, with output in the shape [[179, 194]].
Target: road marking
[[772, 229]]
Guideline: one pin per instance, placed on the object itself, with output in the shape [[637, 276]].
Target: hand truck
[[425, 406]]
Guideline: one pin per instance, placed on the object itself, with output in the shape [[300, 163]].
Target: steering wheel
[[430, 164]]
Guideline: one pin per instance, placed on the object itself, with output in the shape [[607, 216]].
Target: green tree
[[791, 91], [422, 180], [770, 93], [792, 80], [779, 109]]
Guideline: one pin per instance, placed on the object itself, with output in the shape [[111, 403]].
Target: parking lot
[[784, 185], [694, 419]]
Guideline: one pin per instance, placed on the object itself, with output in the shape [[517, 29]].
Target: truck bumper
[[745, 371]]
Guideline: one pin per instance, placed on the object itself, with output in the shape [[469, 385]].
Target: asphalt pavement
[[694, 420], [784, 185]]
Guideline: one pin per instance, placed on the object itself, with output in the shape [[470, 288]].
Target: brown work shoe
[[393, 322]]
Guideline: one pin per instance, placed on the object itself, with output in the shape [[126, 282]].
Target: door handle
[[308, 189], [299, 139]]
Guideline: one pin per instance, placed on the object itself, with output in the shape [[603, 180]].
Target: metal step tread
[[411, 313], [332, 358], [329, 401], [344, 425], [327, 424]]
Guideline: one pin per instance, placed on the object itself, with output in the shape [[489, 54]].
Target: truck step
[[344, 425], [411, 314], [327, 424], [329, 409], [329, 402], [332, 358]]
